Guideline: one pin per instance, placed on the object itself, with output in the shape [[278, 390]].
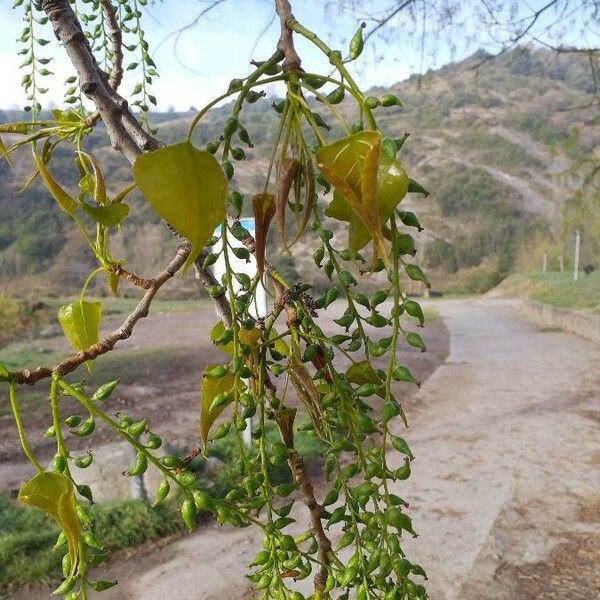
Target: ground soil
[[161, 384]]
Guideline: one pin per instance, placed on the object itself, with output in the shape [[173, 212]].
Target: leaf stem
[[20, 429]]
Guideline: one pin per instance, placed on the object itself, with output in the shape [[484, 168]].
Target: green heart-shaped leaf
[[53, 493], [187, 188], [80, 322], [392, 186], [351, 166]]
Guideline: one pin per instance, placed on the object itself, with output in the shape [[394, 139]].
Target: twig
[[315, 511], [208, 279], [132, 278]]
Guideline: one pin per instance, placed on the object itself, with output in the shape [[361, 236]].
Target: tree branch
[[122, 333], [126, 134], [291, 61]]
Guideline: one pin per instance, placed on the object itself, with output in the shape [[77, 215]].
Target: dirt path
[[505, 489], [506, 486]]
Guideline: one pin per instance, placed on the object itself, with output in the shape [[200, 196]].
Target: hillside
[[492, 146]]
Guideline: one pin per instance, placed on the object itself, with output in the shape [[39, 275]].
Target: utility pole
[[576, 261]]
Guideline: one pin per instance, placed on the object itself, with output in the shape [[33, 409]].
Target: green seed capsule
[[320, 121], [90, 539], [189, 512], [264, 582], [105, 390], [357, 43], [261, 558], [83, 462], [235, 84], [203, 501], [73, 421], [153, 441], [390, 410], [125, 421], [82, 514], [86, 428], [228, 169], [66, 565], [50, 432], [187, 478], [65, 587], [61, 540], [357, 126], [390, 100], [139, 466], [170, 462], [230, 127], [244, 137], [252, 96], [238, 153], [372, 102], [221, 431], [212, 147], [100, 585], [59, 463], [319, 255], [136, 429], [278, 106], [336, 96], [349, 576], [217, 372], [315, 82], [162, 492]]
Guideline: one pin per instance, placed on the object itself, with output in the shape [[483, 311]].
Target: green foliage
[[12, 318], [469, 191], [557, 289], [26, 536], [539, 127], [129, 523]]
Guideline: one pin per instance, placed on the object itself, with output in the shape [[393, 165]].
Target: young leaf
[[263, 207], [109, 216], [351, 166], [187, 188], [392, 185], [286, 174], [63, 199], [211, 387], [361, 373], [53, 493], [80, 322], [99, 185]]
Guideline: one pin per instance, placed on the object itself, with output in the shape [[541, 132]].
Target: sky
[[219, 49]]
